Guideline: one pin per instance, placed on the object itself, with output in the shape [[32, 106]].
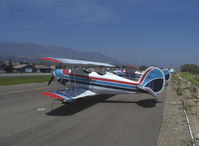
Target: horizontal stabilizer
[[57, 95]]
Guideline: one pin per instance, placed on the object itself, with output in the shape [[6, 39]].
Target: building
[[43, 68], [3, 68], [24, 68]]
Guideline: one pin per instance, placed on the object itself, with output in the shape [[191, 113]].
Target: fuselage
[[135, 76], [108, 83]]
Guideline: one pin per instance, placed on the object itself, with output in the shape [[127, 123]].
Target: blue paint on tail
[[166, 74], [152, 81]]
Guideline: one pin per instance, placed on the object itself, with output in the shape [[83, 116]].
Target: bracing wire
[[75, 81]]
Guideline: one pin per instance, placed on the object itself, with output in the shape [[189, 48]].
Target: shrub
[[179, 91]]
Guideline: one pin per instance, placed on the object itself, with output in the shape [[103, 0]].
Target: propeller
[[51, 79]]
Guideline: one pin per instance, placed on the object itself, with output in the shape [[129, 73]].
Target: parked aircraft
[[137, 74], [80, 82], [167, 74]]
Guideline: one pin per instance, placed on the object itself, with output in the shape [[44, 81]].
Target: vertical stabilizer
[[152, 81]]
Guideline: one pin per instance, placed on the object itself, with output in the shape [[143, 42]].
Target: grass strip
[[5, 81], [193, 78]]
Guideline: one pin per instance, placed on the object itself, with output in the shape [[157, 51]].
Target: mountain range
[[33, 51]]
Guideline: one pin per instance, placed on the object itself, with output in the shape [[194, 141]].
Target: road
[[28, 118]]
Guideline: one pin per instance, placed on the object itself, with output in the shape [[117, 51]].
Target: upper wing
[[69, 95], [74, 61]]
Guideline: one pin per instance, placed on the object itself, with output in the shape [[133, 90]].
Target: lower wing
[[69, 95]]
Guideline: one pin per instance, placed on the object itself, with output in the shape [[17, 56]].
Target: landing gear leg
[[155, 100]]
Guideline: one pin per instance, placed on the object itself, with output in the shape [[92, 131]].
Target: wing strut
[[75, 81]]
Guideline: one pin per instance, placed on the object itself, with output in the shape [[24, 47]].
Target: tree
[[10, 62], [192, 68]]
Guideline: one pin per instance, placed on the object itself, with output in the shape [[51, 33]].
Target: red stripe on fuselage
[[99, 79]]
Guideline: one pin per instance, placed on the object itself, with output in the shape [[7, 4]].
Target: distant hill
[[33, 51]]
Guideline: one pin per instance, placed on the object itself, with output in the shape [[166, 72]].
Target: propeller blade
[[51, 79]]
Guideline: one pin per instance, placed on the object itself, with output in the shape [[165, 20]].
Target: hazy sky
[[136, 31]]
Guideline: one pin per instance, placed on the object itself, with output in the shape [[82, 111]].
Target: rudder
[[152, 81], [166, 74]]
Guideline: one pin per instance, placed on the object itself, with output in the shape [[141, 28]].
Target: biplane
[[134, 75], [79, 82], [137, 74], [167, 74]]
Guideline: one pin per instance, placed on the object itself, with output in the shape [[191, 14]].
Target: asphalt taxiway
[[28, 118]]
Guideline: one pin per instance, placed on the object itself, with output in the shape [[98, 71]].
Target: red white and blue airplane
[[132, 75], [137, 74], [167, 74], [81, 83]]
